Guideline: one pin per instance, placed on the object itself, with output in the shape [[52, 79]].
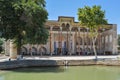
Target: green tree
[[92, 18], [1, 43], [23, 21]]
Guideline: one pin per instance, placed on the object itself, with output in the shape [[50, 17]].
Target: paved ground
[[71, 57], [6, 58]]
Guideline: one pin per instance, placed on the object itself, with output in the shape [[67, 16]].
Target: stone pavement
[[114, 57]]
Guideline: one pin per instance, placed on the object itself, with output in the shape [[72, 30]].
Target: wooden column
[[67, 42], [87, 39], [83, 41], [79, 40], [61, 40], [50, 40], [70, 41]]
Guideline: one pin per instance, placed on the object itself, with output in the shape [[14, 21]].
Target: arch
[[67, 25], [24, 50], [63, 25], [43, 50], [87, 51], [34, 51]]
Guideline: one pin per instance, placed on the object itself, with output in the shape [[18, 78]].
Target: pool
[[63, 73]]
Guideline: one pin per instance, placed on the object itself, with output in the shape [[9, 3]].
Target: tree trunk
[[94, 49]]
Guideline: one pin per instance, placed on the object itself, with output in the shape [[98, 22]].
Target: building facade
[[68, 37]]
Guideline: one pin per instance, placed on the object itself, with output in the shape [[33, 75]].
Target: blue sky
[[57, 8]]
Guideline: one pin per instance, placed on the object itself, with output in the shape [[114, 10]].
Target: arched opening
[[34, 51], [67, 26], [63, 27], [43, 51], [24, 51], [87, 51]]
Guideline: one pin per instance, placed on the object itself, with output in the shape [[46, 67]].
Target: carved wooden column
[[75, 40], [87, 40], [67, 42], [83, 41], [79, 40], [103, 42], [70, 41], [100, 42], [61, 40], [50, 40]]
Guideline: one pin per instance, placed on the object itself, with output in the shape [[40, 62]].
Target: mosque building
[[67, 37]]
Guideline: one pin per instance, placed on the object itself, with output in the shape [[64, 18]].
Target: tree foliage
[[1, 43], [92, 18], [23, 21]]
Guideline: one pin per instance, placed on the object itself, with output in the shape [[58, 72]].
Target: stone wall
[[53, 63]]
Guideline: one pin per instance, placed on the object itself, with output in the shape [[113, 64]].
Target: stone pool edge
[[53, 63]]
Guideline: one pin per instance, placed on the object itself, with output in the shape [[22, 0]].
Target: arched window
[[34, 51], [43, 50], [67, 26], [63, 25], [24, 51]]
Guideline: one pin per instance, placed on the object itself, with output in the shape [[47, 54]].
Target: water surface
[[63, 73]]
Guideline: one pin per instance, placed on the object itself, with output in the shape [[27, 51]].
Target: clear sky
[[57, 8]]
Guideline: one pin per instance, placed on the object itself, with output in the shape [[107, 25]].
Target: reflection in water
[[2, 78], [63, 73], [39, 70]]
